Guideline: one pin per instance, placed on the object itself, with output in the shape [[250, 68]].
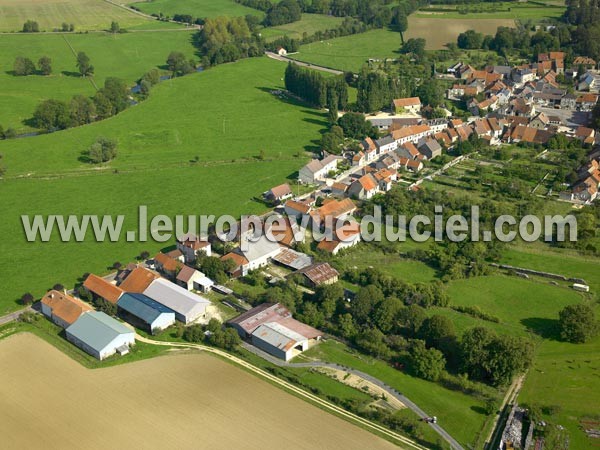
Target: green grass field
[[518, 303], [127, 56], [351, 52], [563, 374], [51, 14], [157, 139], [408, 270], [196, 8], [309, 24]]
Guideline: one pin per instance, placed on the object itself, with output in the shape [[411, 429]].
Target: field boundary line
[[295, 389], [75, 54]]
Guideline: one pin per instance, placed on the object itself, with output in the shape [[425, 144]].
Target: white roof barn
[[99, 334], [187, 306]]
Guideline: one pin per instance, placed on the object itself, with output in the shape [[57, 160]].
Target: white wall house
[[318, 170]]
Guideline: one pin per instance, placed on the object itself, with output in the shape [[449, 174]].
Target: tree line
[[315, 88], [112, 98]]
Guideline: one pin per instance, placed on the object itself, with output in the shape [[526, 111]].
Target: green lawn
[[127, 56], [458, 413], [51, 14], [309, 24], [157, 139], [196, 8]]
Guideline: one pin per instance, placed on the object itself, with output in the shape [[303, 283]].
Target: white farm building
[[100, 335], [187, 306]]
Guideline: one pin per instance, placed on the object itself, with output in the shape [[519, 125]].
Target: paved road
[[324, 404], [14, 316], [391, 391], [302, 64]]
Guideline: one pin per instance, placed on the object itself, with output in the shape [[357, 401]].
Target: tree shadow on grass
[[321, 123], [545, 328], [69, 73], [30, 122], [479, 410], [283, 96]]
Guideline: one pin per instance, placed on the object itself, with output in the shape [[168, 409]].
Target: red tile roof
[[103, 288]]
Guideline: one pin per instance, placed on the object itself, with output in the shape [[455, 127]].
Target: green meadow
[[196, 8], [349, 53], [51, 14], [158, 141], [127, 56], [309, 24]]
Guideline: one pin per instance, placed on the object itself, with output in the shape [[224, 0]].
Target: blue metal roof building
[[144, 312]]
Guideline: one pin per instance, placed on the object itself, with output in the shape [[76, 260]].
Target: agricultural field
[[309, 24], [225, 397], [350, 53], [158, 142], [195, 8], [512, 10], [438, 32], [127, 56], [51, 14]]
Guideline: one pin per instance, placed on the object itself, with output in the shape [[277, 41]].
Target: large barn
[[100, 335], [272, 328], [188, 307], [144, 313]]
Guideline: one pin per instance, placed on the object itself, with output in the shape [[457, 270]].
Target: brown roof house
[[407, 105], [344, 236], [100, 288], [192, 279], [167, 265], [138, 280], [364, 188], [278, 194], [63, 309], [271, 328]]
